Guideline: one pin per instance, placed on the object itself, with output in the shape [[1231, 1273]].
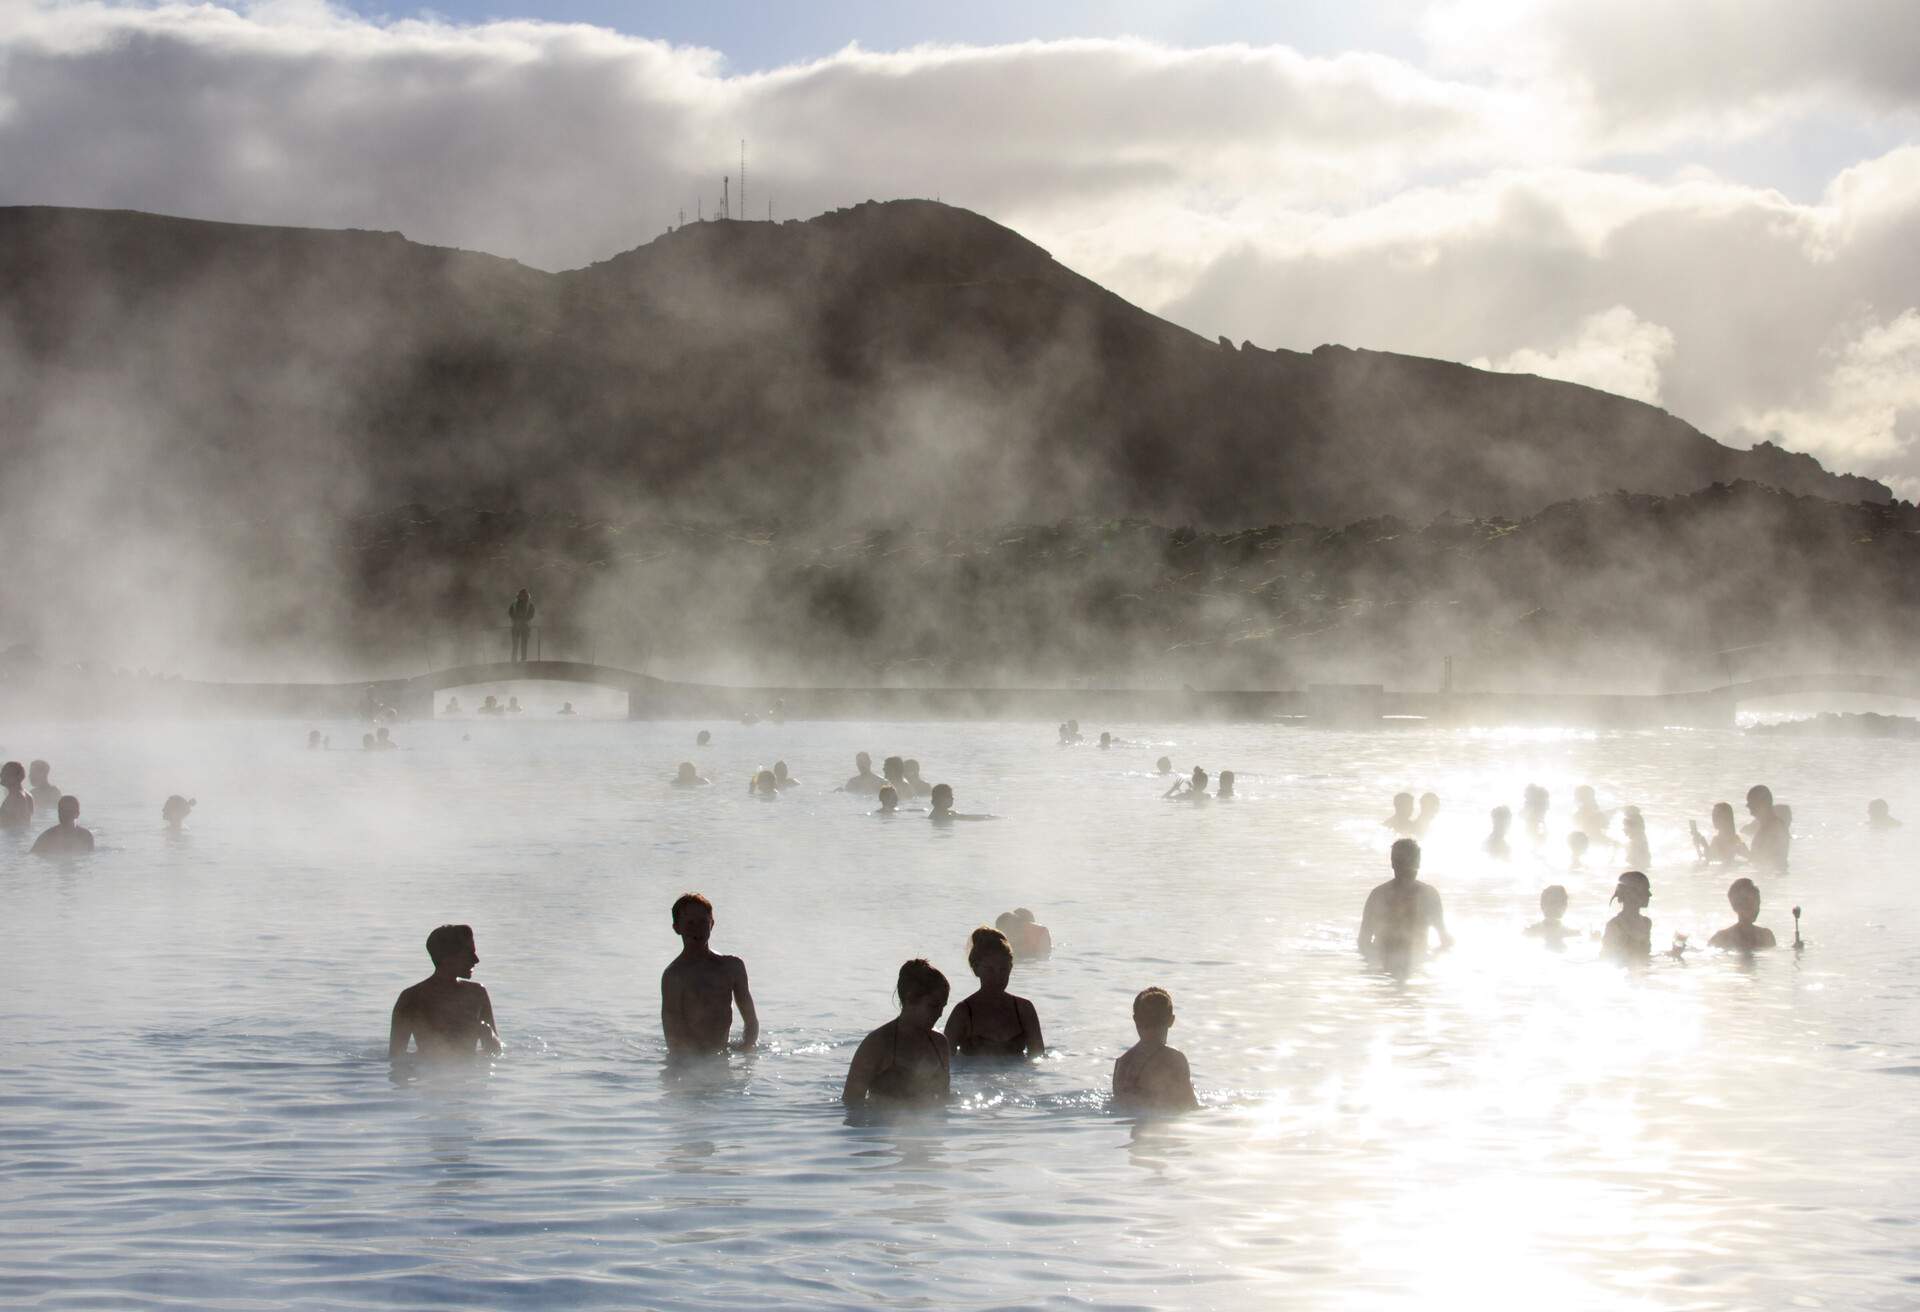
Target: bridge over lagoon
[[1337, 705]]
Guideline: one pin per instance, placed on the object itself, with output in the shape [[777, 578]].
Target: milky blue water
[[196, 1109]]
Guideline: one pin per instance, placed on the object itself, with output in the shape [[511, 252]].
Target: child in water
[[1553, 906], [1150, 1075], [905, 1060], [993, 1022], [942, 811], [1629, 935], [1635, 827], [1743, 935], [763, 786]]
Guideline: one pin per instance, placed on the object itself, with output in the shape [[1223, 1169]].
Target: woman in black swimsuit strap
[[994, 1022], [905, 1060]]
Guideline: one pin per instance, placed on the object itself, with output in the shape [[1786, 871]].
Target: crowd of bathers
[[910, 1057]]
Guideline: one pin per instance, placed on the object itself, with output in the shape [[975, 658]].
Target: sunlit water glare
[[197, 1109]]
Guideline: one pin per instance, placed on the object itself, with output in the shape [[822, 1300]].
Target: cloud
[[1615, 350], [1867, 410]]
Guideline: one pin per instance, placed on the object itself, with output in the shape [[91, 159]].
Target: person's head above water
[[1631, 820], [37, 773], [1153, 1011], [913, 769], [889, 798], [366, 741], [1199, 780], [942, 797], [894, 769], [452, 948], [780, 771], [1578, 843], [1164, 765], [1743, 895], [1583, 796], [922, 986], [1553, 901], [69, 809], [1106, 739], [1502, 819], [1226, 783], [1877, 809], [702, 738], [1633, 890], [863, 762], [175, 809], [990, 956], [693, 917], [1403, 804], [1723, 815], [12, 774], [1405, 855], [1759, 800], [1535, 798], [764, 782], [687, 773], [1429, 803], [1007, 923]]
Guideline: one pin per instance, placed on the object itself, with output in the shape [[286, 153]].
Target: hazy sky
[[1713, 205]]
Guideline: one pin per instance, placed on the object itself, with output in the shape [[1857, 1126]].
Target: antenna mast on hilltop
[[743, 175], [725, 211]]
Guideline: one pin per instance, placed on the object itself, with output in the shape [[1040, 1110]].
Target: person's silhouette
[[1401, 914], [520, 620], [66, 838], [906, 1060], [446, 1014], [992, 1022]]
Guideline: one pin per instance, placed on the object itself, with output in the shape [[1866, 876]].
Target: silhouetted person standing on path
[[520, 615]]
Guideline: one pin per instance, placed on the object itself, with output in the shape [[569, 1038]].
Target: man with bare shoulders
[[1401, 913], [446, 1014], [699, 988]]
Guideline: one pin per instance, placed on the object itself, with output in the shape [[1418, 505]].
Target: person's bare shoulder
[[735, 967]]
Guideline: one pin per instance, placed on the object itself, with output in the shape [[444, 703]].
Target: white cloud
[[1615, 350], [1866, 410]]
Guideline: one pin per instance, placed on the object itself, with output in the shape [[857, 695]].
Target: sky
[[1710, 205]]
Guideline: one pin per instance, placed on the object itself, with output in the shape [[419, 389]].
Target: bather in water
[[992, 1022], [688, 777], [700, 988], [66, 838], [1629, 935], [1150, 1076], [1549, 930], [446, 1014], [1402, 915], [905, 1061], [1743, 935]]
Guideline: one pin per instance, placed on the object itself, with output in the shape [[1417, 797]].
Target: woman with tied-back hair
[[906, 1060], [993, 1022]]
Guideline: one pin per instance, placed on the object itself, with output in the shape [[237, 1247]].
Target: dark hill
[[905, 359]]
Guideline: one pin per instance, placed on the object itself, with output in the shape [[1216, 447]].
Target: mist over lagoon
[[1082, 657]]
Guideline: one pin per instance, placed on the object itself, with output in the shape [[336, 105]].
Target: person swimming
[[16, 805], [688, 777], [1533, 813], [566, 708], [1070, 732], [446, 1014], [1629, 935], [1030, 940], [1772, 832], [1150, 1076], [1429, 812], [491, 706], [1743, 895], [46, 793], [1577, 842], [702, 738], [992, 1022], [1163, 766], [781, 779], [1402, 821], [700, 988], [906, 1060], [865, 781], [175, 810], [1191, 789], [889, 801], [916, 786], [1549, 930], [1496, 845], [764, 786], [1634, 826], [1879, 817], [1402, 914], [66, 838], [940, 806], [1224, 791]]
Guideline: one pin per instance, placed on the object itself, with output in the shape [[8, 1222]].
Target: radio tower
[[743, 175], [726, 211]]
